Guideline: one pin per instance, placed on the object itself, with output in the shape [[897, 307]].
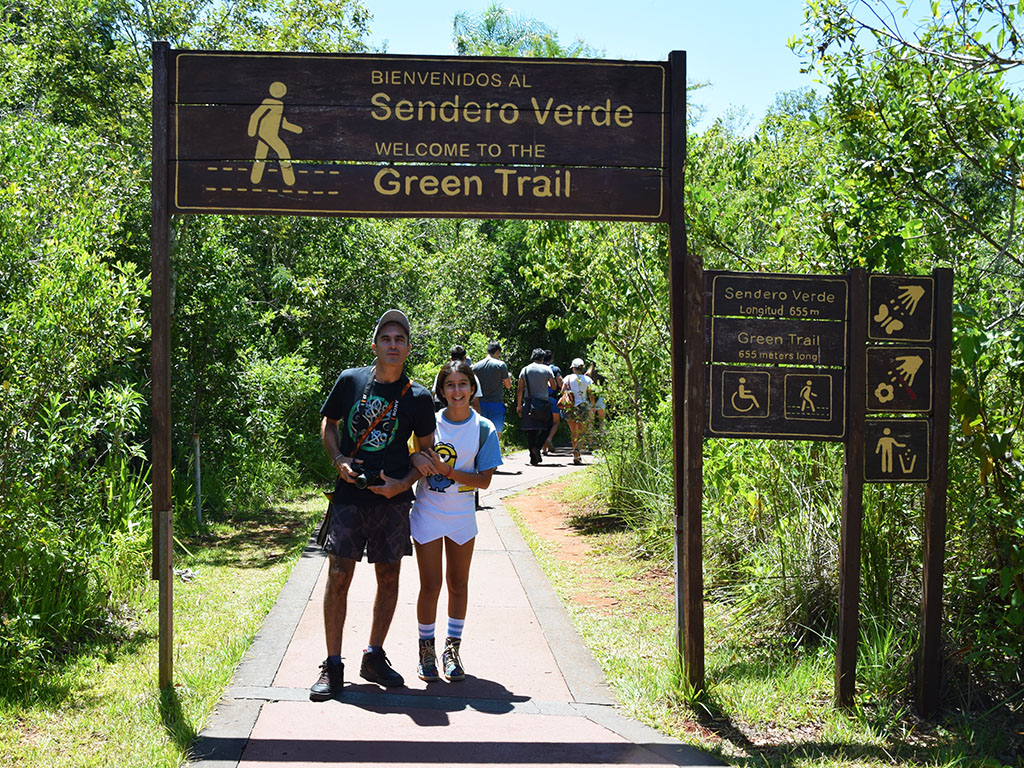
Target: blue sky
[[739, 46]]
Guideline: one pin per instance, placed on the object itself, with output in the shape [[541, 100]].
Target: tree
[[496, 31], [931, 127], [611, 282], [932, 118]]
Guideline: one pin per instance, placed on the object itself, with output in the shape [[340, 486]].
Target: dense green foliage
[[910, 158], [71, 332]]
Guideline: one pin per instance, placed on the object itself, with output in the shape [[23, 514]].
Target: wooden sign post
[[260, 133], [909, 321], [865, 360]]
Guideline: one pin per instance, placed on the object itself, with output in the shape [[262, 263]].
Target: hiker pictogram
[[266, 123], [809, 397]]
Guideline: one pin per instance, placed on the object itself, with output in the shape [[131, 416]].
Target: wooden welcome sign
[[362, 135]]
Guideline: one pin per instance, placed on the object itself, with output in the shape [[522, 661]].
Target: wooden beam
[[853, 495], [688, 394], [929, 673], [160, 371]]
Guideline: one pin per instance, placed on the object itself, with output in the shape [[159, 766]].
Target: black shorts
[[381, 530]]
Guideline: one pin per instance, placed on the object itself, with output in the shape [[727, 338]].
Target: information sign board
[[896, 451], [751, 294], [900, 308], [800, 342], [899, 379], [792, 403]]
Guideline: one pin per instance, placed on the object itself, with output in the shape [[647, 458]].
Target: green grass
[[767, 701], [101, 706]]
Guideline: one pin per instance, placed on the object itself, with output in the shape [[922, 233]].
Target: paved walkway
[[533, 694]]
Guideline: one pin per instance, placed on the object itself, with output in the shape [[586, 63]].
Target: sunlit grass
[[102, 707], [768, 701]]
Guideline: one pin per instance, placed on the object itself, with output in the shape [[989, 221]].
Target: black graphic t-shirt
[[386, 447]]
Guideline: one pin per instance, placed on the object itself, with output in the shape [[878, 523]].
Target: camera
[[367, 476]]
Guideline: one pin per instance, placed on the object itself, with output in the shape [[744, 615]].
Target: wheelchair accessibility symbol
[[745, 394]]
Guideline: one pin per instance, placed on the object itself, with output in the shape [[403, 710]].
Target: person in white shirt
[[578, 385], [443, 518]]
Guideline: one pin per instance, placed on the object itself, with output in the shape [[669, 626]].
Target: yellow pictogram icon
[[908, 366], [885, 446], [890, 324], [807, 396], [904, 303], [266, 123], [744, 394], [884, 392], [910, 296]]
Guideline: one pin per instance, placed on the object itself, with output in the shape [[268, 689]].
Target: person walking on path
[[443, 519], [578, 385], [457, 352], [556, 413], [532, 402], [492, 373], [368, 419]]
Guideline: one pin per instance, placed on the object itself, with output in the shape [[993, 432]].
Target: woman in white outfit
[[578, 384], [443, 517]]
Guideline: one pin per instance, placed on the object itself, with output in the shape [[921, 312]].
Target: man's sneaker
[[450, 660], [427, 667], [377, 669], [332, 676]]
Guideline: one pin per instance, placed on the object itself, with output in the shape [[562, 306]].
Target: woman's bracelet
[[339, 456]]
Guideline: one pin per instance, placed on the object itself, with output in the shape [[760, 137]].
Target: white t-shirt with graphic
[[578, 384], [442, 506]]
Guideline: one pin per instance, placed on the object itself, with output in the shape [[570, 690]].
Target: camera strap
[[380, 416]]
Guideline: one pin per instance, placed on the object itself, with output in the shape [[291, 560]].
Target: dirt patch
[[550, 520]]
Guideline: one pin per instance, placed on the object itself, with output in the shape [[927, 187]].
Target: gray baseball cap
[[392, 316]]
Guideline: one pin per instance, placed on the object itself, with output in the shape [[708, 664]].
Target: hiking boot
[[332, 676], [450, 659], [426, 670], [576, 459], [377, 669]]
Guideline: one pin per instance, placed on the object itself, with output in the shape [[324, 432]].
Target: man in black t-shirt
[[367, 421]]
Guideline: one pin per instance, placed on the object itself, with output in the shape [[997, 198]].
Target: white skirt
[[429, 523]]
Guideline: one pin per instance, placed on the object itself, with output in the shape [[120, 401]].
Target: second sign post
[[860, 359]]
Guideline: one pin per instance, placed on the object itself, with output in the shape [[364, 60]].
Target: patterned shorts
[[578, 412], [381, 530]]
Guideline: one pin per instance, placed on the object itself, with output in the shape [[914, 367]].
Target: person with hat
[[367, 421], [578, 384]]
